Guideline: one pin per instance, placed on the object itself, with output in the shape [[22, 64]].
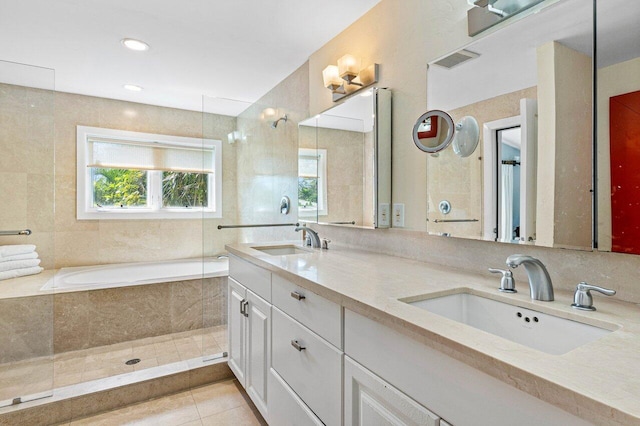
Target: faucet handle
[[507, 283], [325, 243], [582, 298]]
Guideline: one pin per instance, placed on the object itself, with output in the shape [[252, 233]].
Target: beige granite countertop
[[599, 381]]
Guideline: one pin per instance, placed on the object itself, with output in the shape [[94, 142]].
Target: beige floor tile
[[168, 358], [67, 379], [193, 423], [165, 348], [73, 367], [145, 363], [146, 351], [218, 397], [172, 410], [236, 416]]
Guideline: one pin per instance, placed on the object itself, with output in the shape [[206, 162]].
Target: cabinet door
[[370, 401], [285, 407], [237, 328], [258, 350]]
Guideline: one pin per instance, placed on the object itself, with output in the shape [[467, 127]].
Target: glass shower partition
[[220, 130], [26, 232]]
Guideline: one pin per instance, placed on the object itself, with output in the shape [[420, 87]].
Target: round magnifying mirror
[[433, 131], [467, 136]]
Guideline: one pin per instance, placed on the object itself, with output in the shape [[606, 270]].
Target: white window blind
[[307, 165], [123, 154]]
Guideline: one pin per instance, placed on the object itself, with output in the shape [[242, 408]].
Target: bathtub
[[139, 273]]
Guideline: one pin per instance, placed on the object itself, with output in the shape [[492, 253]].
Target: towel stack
[[18, 261]]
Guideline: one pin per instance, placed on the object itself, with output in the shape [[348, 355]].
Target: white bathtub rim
[[50, 285]]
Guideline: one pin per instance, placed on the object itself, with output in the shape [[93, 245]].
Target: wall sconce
[[348, 77], [235, 136]]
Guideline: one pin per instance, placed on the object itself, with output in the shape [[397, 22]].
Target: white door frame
[[527, 120]]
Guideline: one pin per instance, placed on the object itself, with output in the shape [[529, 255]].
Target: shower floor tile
[[39, 374]]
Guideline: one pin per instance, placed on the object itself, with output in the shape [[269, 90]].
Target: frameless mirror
[[344, 163], [433, 131], [529, 86], [618, 126]]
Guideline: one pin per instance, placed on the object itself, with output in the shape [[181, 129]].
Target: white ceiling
[[233, 49]]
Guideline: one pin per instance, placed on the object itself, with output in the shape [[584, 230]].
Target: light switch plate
[[398, 215], [384, 214]]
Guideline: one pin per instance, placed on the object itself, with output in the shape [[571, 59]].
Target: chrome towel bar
[[454, 220], [19, 232], [263, 225]]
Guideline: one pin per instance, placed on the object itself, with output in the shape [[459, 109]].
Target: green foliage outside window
[[184, 189], [307, 192], [119, 187]]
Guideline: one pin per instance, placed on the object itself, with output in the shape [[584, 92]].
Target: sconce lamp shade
[[331, 77], [348, 67]]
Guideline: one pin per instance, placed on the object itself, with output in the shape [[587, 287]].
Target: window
[[130, 175], [312, 182]]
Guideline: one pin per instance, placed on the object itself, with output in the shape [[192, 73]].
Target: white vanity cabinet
[[454, 390], [306, 360], [249, 318], [306, 349]]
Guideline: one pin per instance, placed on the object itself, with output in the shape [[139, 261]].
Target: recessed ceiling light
[[133, 44], [133, 87]]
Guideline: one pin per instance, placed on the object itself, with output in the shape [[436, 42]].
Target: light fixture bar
[[367, 77]]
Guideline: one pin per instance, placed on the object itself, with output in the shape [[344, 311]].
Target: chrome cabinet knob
[[582, 298], [507, 282]]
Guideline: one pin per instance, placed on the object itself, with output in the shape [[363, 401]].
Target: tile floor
[[220, 404], [35, 375]]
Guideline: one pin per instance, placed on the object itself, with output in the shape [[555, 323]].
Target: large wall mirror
[[529, 87], [344, 163], [618, 125]]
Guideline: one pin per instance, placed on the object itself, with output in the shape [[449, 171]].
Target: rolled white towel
[[33, 255], [18, 264], [11, 250], [15, 273]]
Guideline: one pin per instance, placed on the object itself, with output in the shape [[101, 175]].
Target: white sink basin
[[281, 250], [546, 333]]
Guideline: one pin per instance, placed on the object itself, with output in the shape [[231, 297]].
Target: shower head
[[275, 123]]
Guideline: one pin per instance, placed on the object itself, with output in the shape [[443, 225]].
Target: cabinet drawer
[[313, 370], [251, 276], [369, 400], [319, 314], [285, 407]]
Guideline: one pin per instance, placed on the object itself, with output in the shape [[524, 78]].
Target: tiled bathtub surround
[[87, 319]]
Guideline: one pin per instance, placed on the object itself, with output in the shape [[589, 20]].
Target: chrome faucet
[[539, 279], [312, 238]]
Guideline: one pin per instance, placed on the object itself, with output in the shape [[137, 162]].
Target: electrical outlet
[[398, 215], [383, 218]]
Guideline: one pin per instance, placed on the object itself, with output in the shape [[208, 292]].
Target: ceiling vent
[[456, 58]]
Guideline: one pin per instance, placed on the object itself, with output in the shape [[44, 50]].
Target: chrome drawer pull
[[297, 345], [297, 295]]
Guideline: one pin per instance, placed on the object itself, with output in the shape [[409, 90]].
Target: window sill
[[132, 214]]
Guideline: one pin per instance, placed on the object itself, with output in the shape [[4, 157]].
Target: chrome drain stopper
[[133, 361]]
